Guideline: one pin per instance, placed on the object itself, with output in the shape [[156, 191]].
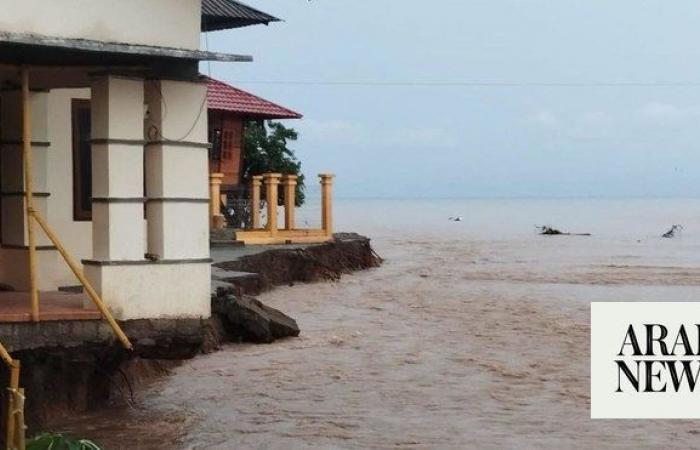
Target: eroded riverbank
[[424, 352]]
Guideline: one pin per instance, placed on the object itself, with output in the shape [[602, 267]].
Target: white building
[[119, 152]]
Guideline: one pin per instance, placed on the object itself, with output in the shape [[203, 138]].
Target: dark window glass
[[215, 154], [82, 161]]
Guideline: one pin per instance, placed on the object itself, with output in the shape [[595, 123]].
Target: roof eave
[[260, 116], [99, 47], [213, 23]]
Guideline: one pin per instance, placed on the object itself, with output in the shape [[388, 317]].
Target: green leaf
[[58, 441], [266, 149]]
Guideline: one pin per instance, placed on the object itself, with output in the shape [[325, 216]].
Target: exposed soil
[[347, 253]]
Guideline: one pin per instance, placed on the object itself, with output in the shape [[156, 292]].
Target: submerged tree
[[266, 149]]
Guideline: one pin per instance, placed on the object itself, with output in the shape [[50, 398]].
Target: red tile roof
[[224, 97]]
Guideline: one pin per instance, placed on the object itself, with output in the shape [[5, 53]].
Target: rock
[[247, 318]]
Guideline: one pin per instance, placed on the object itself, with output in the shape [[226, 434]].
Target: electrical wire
[[473, 83], [155, 133]]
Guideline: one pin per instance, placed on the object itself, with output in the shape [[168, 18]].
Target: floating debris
[[547, 230], [673, 232]]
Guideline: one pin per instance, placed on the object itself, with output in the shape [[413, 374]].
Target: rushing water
[[474, 334]]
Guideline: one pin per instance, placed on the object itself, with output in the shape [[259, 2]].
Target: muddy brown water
[[458, 341]]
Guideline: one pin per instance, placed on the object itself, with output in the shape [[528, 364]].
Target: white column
[[174, 282], [117, 169], [14, 223], [177, 170]]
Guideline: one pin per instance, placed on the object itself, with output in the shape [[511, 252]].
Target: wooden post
[[290, 189], [255, 184], [10, 436], [28, 192], [327, 203], [216, 220], [84, 281], [5, 356], [272, 181], [20, 434]]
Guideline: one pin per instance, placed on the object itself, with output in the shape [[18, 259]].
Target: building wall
[[75, 235], [163, 289], [168, 23]]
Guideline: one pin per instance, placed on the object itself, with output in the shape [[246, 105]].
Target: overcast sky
[[484, 141]]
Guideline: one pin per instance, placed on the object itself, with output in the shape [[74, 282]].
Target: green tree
[[266, 149]]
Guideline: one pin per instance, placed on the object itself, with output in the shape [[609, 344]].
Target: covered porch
[[15, 307], [145, 241]]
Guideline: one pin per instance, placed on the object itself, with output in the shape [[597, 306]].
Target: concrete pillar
[[272, 182], [290, 185], [255, 184], [14, 221], [175, 280], [216, 220], [14, 237], [177, 168], [117, 169], [327, 203]]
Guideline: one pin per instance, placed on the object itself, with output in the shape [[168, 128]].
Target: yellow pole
[[28, 192], [10, 424], [327, 203], [272, 181], [255, 184], [5, 356], [14, 385], [216, 221], [84, 281], [18, 410], [290, 184]]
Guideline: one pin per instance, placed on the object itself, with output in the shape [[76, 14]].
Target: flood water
[[474, 334]]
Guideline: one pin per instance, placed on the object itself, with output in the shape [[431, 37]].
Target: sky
[[483, 98]]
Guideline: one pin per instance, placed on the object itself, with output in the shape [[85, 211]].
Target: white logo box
[[609, 330]]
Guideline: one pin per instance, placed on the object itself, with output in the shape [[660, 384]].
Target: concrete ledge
[[146, 262], [19, 142], [177, 200], [22, 194], [26, 336], [137, 142], [26, 247], [179, 144], [296, 236], [119, 199]]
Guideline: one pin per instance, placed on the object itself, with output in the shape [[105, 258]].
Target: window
[[227, 145], [82, 160], [215, 139]]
